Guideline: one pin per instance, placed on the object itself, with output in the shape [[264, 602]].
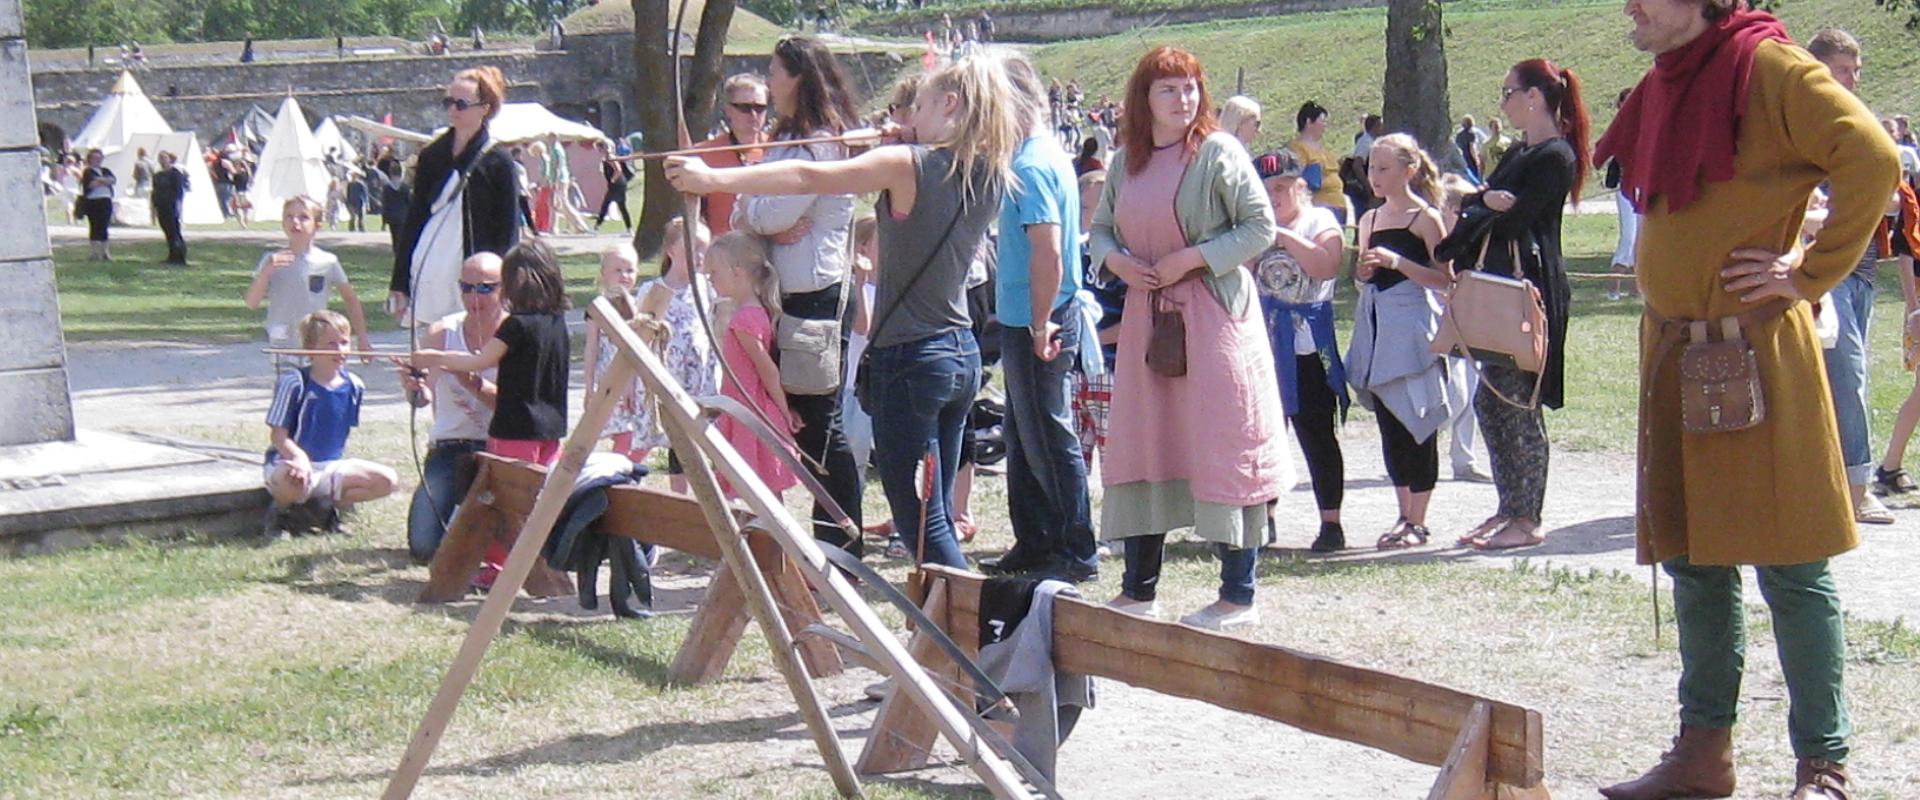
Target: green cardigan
[[1221, 205]]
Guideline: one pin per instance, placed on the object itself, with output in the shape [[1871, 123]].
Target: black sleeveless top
[[1410, 247]]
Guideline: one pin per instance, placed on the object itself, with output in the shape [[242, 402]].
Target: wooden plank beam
[[1415, 720], [641, 513], [903, 733], [1464, 776]]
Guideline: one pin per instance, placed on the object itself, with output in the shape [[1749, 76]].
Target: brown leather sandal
[[1482, 531]]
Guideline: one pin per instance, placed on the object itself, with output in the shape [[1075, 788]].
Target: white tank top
[[458, 413]]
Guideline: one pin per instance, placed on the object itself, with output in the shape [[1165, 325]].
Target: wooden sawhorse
[[501, 498]]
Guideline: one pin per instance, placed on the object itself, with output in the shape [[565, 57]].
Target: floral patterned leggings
[[1516, 441]]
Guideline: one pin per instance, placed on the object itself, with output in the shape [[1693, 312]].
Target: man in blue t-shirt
[[314, 409], [1039, 277]]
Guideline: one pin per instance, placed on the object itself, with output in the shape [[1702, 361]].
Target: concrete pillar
[[34, 404]]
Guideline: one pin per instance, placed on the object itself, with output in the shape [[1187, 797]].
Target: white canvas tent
[[124, 112], [329, 137], [201, 206], [526, 122], [292, 164]]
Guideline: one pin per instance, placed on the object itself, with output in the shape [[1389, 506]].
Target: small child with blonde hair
[[742, 276], [314, 409], [619, 269]]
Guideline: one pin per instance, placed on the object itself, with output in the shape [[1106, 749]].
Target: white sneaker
[[1219, 617], [1139, 608]]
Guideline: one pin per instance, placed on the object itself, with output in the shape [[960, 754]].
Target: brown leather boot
[[1699, 765], [1820, 779]]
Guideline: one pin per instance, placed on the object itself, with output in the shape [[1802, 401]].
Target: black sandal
[[1893, 481]]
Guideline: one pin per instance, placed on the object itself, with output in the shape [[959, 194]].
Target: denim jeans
[[1847, 374], [921, 392], [1046, 478], [1141, 580], [449, 473]]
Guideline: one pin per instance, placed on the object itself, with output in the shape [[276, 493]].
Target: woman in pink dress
[[1182, 211]]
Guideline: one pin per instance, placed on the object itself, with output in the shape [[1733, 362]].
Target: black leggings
[[1313, 426], [616, 196], [1414, 465], [821, 437], [99, 211]]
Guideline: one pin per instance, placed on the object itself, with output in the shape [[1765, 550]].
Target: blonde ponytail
[[987, 128], [1425, 181]]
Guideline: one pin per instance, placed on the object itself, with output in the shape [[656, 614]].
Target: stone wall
[[590, 80], [1053, 25], [34, 405]]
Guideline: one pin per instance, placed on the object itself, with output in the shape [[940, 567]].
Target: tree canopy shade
[[78, 23]]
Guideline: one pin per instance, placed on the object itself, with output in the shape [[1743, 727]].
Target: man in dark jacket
[[170, 187]]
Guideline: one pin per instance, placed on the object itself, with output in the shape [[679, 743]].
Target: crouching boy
[[314, 409]]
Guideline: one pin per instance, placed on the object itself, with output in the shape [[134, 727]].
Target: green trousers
[[1807, 628]]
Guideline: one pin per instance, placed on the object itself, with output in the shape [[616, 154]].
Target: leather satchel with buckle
[[1720, 389]]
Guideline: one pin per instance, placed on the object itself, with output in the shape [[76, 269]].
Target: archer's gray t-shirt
[[938, 301], [298, 290]]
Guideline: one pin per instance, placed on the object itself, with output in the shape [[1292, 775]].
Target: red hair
[[1561, 88], [1136, 133]]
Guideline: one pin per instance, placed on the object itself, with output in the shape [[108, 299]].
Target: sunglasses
[[749, 108], [1509, 91], [479, 288], [460, 103]]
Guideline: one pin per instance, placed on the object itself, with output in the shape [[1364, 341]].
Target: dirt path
[[157, 386]]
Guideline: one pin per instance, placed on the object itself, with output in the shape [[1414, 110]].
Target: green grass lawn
[[1338, 58], [136, 297]]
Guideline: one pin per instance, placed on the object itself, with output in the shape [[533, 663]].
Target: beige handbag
[[1496, 319]]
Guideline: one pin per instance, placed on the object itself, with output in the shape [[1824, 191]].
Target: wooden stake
[[746, 573], [679, 408], [553, 497]]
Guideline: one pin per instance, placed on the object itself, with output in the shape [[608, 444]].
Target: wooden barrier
[[503, 494], [1486, 748]]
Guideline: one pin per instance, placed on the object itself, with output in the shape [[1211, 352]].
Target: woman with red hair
[[1204, 446], [1520, 219]]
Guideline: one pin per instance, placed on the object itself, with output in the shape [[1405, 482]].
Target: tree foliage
[[77, 23]]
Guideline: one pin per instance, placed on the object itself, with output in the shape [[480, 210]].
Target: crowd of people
[[1164, 310]]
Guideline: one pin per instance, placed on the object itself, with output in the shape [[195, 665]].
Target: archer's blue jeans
[[448, 475], [922, 392]]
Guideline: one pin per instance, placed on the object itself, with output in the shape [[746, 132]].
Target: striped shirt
[[317, 418]]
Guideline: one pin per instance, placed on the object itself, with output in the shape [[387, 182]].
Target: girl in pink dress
[[737, 263]]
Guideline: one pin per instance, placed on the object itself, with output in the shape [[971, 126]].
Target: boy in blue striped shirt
[[314, 409]]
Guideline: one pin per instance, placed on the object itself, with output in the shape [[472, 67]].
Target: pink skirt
[[1220, 427]]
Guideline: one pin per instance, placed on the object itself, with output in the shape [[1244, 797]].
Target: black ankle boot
[[1332, 538]]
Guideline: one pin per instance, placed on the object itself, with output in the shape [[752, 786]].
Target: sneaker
[[1220, 617], [484, 579], [1332, 538], [1472, 474], [1015, 562], [333, 522], [1149, 609], [1071, 570], [276, 527], [897, 550], [1871, 511]]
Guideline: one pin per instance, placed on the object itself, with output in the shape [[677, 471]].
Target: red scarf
[[1676, 132]]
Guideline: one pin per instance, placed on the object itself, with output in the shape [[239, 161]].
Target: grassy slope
[[1337, 58]]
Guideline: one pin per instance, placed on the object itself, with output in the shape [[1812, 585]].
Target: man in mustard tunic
[[1720, 146]]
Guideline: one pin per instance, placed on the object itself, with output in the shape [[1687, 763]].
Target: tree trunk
[[1416, 84], [653, 96]]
